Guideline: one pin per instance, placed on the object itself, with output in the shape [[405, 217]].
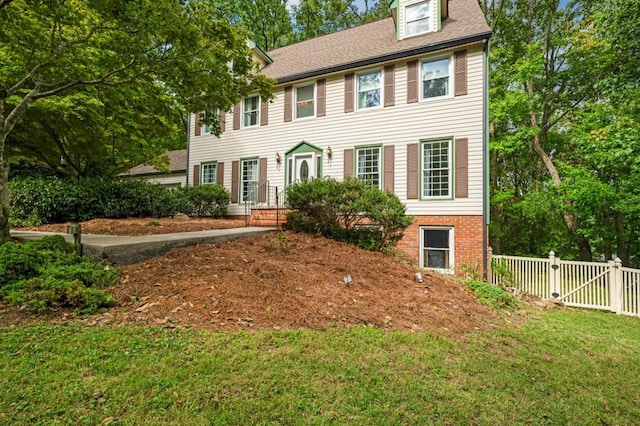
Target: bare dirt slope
[[284, 280]]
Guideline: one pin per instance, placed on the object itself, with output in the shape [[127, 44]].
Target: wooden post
[[554, 275], [616, 288], [489, 262]]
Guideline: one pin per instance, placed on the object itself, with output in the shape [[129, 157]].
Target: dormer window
[[418, 18]]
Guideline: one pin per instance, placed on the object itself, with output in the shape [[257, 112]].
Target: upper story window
[[435, 78], [418, 18], [436, 169], [207, 115], [368, 165], [209, 173], [251, 111], [305, 101], [369, 89]]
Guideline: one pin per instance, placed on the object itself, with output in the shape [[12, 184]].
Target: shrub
[[45, 292], [349, 211], [47, 273], [207, 200], [491, 295], [35, 201], [18, 261]]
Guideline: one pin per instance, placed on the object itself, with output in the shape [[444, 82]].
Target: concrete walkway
[[123, 250]]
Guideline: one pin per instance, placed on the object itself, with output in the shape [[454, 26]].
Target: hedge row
[[36, 201]]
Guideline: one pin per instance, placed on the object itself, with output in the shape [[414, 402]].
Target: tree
[[268, 20], [49, 49], [539, 79], [99, 130], [318, 17]]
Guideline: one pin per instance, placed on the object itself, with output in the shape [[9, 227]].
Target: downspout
[[485, 163], [188, 146]]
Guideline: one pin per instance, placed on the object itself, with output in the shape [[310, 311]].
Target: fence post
[[489, 262], [554, 275], [616, 285]]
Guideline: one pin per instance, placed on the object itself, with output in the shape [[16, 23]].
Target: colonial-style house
[[401, 103]]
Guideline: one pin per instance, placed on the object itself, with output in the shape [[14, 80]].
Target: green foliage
[[560, 367], [35, 201], [18, 261], [490, 295], [131, 69], [46, 292], [45, 274], [349, 211], [207, 200]]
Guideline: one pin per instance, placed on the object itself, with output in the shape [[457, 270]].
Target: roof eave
[[388, 57]]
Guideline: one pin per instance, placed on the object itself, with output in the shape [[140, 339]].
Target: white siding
[[170, 179], [402, 124]]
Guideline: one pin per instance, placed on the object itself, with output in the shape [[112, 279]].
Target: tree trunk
[[584, 247], [4, 201]]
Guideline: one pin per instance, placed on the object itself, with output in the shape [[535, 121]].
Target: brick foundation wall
[[467, 234], [267, 217]]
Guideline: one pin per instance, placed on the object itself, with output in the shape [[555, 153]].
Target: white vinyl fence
[[608, 286]]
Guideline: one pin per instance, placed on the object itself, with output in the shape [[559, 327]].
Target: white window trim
[[422, 168], [357, 91], [452, 240], [295, 100], [429, 18], [243, 111], [380, 159], [215, 175], [451, 79]]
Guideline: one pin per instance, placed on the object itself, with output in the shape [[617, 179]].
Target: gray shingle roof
[[177, 163], [374, 42]]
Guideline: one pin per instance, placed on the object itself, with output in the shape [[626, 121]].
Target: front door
[[304, 167]]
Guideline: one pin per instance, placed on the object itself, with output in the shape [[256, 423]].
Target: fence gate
[[607, 286]]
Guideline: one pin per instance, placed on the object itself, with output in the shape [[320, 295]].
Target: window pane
[[305, 93], [436, 238], [209, 173], [417, 18], [304, 101], [435, 78], [304, 171], [369, 81], [251, 111], [369, 99], [435, 169], [369, 90], [436, 259], [249, 180], [417, 11], [368, 166], [418, 27]]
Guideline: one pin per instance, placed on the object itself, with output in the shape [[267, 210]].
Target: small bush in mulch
[[491, 295], [351, 211], [47, 274]]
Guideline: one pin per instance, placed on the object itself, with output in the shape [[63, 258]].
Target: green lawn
[[565, 367]]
